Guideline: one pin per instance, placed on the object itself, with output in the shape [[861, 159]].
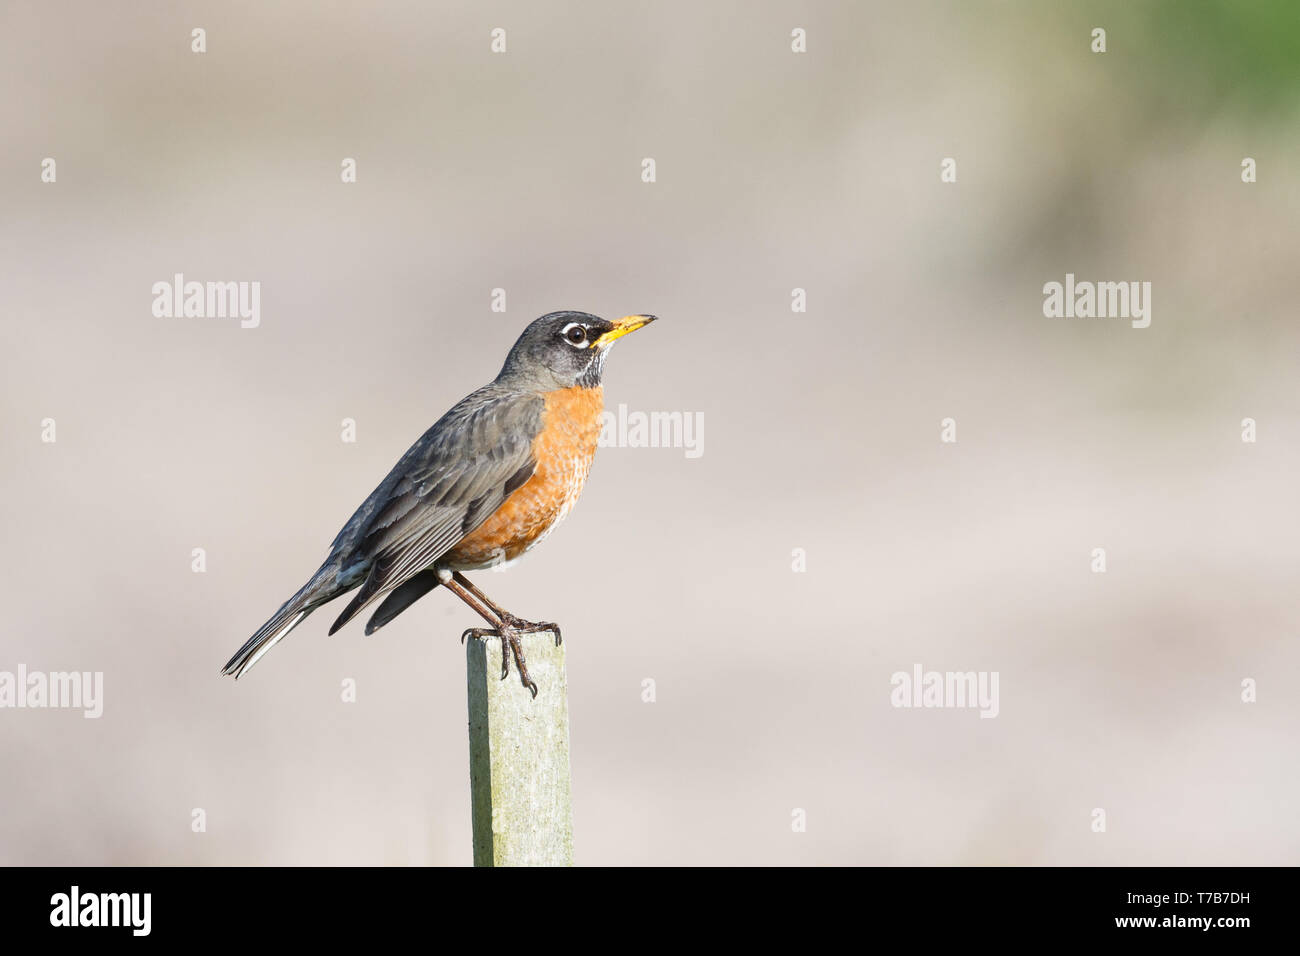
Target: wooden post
[[519, 756]]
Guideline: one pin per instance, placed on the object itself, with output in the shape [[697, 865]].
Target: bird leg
[[518, 623], [504, 625]]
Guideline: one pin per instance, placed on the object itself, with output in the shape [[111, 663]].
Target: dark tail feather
[[401, 598], [291, 614], [369, 591]]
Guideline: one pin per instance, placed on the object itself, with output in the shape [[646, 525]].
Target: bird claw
[[510, 645], [510, 639]]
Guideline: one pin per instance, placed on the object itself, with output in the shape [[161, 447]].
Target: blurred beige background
[[775, 171]]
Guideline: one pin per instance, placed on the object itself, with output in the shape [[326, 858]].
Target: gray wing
[[445, 486]]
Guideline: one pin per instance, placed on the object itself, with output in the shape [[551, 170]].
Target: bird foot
[[512, 645], [534, 627]]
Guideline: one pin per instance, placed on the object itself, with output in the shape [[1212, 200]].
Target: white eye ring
[[581, 343]]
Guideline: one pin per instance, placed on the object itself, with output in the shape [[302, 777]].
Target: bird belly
[[563, 450]]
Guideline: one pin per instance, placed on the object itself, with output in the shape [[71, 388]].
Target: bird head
[[564, 349]]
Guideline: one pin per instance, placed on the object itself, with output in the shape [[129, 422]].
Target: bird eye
[[575, 334]]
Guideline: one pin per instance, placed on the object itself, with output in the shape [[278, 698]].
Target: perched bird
[[489, 480]]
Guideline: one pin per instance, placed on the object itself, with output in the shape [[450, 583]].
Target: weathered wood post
[[519, 756]]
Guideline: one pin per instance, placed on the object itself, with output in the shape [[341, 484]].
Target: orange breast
[[563, 449]]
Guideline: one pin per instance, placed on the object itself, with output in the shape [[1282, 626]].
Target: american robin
[[487, 482]]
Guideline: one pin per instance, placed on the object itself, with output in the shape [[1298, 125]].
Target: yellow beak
[[629, 323]]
